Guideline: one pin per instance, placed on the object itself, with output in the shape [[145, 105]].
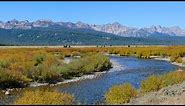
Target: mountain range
[[113, 28], [47, 32]]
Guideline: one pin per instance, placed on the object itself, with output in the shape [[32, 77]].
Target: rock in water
[[7, 93]]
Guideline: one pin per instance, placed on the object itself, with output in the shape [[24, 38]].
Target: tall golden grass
[[44, 97]]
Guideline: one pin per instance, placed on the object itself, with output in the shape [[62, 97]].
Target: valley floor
[[81, 46]]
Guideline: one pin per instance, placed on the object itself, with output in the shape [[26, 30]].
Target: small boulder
[[7, 93]]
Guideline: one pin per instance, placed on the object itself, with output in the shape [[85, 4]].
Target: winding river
[[125, 69]]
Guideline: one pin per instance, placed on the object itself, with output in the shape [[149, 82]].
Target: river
[[125, 69]]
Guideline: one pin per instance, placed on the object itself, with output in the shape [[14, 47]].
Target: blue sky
[[135, 14]]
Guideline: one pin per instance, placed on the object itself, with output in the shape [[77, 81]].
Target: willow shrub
[[152, 83], [9, 79], [85, 65], [120, 94], [172, 78], [44, 97], [179, 60], [155, 83], [18, 67], [44, 73], [172, 58]]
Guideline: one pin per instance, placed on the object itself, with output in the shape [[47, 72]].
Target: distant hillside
[[59, 35], [47, 32]]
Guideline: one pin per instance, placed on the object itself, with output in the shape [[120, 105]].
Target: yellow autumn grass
[[44, 97], [120, 94]]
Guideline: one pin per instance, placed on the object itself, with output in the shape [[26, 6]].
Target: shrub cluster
[[140, 52], [146, 52], [44, 97], [155, 83], [86, 65], [177, 59], [19, 67], [120, 94]]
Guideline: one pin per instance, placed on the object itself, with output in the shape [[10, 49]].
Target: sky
[[133, 14]]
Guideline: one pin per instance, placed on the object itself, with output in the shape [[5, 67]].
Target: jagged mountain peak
[[116, 23], [45, 20], [113, 28], [113, 24], [14, 20], [80, 24], [156, 27]]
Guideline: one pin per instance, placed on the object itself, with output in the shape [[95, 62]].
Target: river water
[[125, 69]]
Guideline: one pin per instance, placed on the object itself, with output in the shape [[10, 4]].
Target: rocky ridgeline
[[113, 28], [172, 95]]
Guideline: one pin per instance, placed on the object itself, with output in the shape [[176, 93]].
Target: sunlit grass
[[23, 66], [44, 97], [120, 94], [155, 83]]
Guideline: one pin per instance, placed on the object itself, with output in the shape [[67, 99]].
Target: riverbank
[[45, 72], [46, 65], [115, 65], [172, 95], [74, 79], [181, 65], [98, 86]]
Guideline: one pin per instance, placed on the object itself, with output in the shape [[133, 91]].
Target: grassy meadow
[[21, 66]]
